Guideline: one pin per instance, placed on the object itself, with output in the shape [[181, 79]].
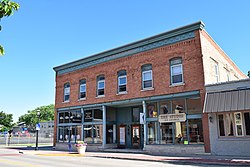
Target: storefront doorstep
[[175, 149]]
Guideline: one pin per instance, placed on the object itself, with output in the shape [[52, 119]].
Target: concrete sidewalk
[[194, 159]]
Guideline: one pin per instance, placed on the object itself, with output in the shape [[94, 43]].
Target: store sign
[[181, 117]]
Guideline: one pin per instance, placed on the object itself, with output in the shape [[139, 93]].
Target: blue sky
[[47, 33]]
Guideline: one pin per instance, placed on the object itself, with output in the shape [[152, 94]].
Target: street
[[12, 158]]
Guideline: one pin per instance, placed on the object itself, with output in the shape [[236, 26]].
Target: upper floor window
[[147, 76], [66, 92], [176, 71], [216, 70], [100, 85], [122, 81], [82, 91]]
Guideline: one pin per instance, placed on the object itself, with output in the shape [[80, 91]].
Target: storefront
[[169, 120], [228, 106]]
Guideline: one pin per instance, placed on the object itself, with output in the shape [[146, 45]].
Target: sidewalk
[[195, 159]]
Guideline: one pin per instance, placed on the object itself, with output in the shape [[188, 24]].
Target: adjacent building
[[228, 108], [146, 95]]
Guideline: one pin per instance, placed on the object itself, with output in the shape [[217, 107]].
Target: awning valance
[[226, 101]]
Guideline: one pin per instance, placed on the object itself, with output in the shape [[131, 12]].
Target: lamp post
[[37, 128]]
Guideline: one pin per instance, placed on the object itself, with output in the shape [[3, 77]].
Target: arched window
[[176, 71], [147, 76], [122, 81], [66, 92], [100, 85], [82, 89]]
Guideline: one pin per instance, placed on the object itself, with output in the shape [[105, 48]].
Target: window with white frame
[[82, 89], [66, 92], [216, 68], [176, 71], [122, 81], [234, 124], [147, 76], [100, 85]]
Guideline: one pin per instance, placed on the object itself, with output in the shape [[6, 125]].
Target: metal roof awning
[[226, 101]]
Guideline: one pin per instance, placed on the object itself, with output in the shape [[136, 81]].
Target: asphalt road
[[11, 158]]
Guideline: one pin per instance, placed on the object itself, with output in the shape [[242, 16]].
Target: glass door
[[136, 136]]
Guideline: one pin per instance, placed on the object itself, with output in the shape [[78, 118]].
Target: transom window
[[147, 76], [100, 85], [176, 71], [122, 81], [66, 92], [82, 94]]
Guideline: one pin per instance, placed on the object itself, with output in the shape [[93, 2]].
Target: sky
[[47, 33]]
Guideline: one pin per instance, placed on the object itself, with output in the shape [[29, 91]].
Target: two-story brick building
[[102, 99]]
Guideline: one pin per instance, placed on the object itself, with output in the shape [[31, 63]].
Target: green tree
[[31, 118], [248, 74], [6, 121], [7, 8]]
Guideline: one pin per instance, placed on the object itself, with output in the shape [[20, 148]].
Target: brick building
[[102, 99]]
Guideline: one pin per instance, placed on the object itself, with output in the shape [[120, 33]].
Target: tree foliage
[[7, 8], [248, 74], [31, 118], [6, 121]]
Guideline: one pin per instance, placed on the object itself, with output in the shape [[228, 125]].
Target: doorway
[[136, 136]]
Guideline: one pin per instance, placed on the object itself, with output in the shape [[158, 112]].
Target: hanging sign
[[164, 118]]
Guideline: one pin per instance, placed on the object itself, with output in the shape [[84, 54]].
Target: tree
[[6, 121], [248, 74], [31, 119], [7, 8]]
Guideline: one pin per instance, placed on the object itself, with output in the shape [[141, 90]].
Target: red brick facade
[[189, 50]]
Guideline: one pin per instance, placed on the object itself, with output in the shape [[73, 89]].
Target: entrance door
[[136, 136]]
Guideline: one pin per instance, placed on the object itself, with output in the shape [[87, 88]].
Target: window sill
[[147, 89], [122, 93], [177, 84], [99, 96], [66, 101], [82, 99]]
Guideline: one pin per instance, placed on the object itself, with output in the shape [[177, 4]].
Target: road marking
[[17, 163], [61, 154]]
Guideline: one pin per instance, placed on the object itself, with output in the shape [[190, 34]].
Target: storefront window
[[229, 124], [166, 131], [195, 131], [60, 134], [152, 132], [88, 133], [93, 133], [97, 115], [194, 106], [221, 125], [88, 116], [247, 122], [178, 106], [97, 133], [165, 107], [136, 114], [152, 110], [181, 133]]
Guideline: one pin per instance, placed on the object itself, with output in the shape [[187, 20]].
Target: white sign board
[[164, 118], [122, 135], [37, 126], [142, 118]]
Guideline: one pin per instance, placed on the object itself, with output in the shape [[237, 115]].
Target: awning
[[226, 101]]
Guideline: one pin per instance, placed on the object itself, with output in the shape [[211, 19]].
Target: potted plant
[[81, 147]]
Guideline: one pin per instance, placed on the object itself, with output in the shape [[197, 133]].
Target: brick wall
[[189, 50], [213, 54]]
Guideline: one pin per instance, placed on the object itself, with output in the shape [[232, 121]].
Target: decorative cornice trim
[[167, 38]]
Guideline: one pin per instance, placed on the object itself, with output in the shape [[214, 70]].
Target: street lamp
[[37, 128]]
